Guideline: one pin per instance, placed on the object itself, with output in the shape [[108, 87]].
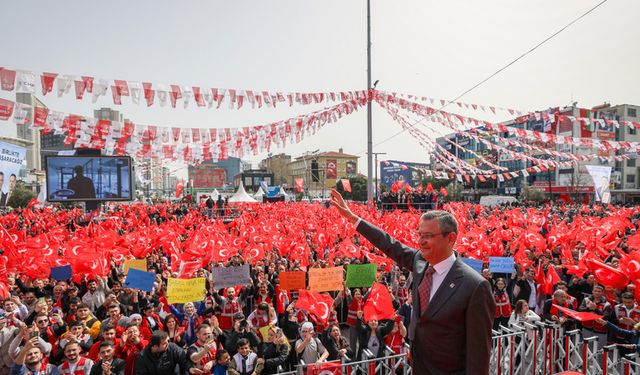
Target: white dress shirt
[[442, 269]]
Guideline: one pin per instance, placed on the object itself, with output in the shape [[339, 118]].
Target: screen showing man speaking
[[88, 178]]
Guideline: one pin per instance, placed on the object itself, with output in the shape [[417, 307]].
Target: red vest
[[211, 356], [395, 341], [503, 306], [229, 309], [401, 294], [64, 368], [554, 311], [597, 327], [572, 302], [352, 314], [622, 312]]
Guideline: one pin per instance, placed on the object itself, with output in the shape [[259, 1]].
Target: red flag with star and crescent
[[315, 303]]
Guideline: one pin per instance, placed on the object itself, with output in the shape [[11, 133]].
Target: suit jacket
[[453, 336]]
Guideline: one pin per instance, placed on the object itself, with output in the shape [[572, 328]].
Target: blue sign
[[140, 280], [273, 191], [501, 264], [473, 263], [61, 273]]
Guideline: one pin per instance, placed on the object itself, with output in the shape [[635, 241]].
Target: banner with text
[[11, 159]]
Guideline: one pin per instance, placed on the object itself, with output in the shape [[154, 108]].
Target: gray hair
[[559, 293], [446, 222]]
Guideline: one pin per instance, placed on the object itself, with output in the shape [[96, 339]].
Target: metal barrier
[[526, 349], [394, 364]]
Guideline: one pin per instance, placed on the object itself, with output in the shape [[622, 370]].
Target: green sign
[[361, 275]]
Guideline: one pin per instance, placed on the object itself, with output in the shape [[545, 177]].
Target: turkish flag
[[429, 188], [444, 191], [326, 368], [320, 305], [179, 188], [378, 305], [299, 185], [579, 316], [188, 269], [607, 275], [408, 188], [6, 109], [47, 80], [396, 186], [346, 185]]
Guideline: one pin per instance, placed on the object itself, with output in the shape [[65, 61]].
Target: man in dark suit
[[453, 307]]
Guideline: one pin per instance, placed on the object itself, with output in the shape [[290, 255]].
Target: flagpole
[[369, 118]]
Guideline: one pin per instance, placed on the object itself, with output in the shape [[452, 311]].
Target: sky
[[436, 49]]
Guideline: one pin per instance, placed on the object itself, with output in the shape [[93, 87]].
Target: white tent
[[241, 196], [215, 195], [259, 194]]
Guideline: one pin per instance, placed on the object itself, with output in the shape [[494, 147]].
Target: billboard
[[395, 170], [207, 176], [352, 168], [11, 159], [88, 178], [332, 169]]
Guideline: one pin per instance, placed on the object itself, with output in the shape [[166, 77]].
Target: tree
[[21, 196], [532, 194], [358, 189], [437, 183]]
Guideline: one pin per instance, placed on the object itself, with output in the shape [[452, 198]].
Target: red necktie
[[424, 289]]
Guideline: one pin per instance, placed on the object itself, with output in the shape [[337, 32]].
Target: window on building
[[633, 131], [631, 163], [631, 178], [631, 112]]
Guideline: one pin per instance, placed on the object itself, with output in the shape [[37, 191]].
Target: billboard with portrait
[[410, 173], [332, 169], [88, 178], [12, 158], [351, 168]]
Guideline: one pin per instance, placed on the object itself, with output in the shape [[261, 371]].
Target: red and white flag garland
[[24, 81], [191, 145]]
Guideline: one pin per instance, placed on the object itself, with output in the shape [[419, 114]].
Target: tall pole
[[376, 167], [369, 118]]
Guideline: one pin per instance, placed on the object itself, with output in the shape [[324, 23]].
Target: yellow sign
[[139, 264], [264, 331], [186, 290], [326, 279]]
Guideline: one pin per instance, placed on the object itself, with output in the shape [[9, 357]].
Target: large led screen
[[88, 178]]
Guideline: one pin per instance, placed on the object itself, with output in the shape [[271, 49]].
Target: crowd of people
[[92, 323]]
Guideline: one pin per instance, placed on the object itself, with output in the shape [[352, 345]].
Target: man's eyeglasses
[[430, 236], [41, 321]]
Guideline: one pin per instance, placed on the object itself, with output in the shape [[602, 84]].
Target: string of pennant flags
[[443, 102], [460, 174], [191, 145], [25, 81], [462, 123]]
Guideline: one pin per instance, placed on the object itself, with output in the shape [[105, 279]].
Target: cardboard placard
[[361, 275], [225, 277], [326, 279], [186, 290], [138, 264], [501, 265], [140, 280], [293, 280]]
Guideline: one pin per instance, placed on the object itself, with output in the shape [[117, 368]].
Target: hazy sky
[[430, 48]]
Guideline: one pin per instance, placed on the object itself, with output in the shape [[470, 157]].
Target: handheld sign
[[140, 280], [325, 279], [293, 280], [473, 263], [138, 264], [501, 264], [225, 277], [61, 273], [185, 290], [361, 275]]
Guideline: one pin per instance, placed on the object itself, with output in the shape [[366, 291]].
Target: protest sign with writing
[[185, 290], [361, 275], [293, 280], [326, 279], [501, 264], [140, 280], [139, 264], [225, 277]]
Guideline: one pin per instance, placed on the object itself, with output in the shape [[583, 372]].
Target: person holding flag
[[450, 330]]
